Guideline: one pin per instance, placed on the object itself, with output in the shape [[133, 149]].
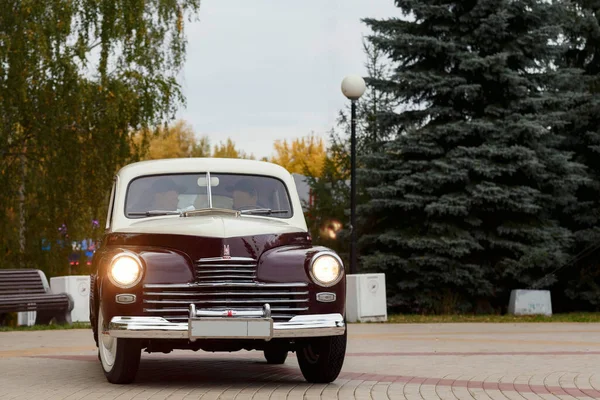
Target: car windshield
[[172, 194]]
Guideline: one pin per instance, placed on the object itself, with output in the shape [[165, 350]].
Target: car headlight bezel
[[134, 257], [314, 260]]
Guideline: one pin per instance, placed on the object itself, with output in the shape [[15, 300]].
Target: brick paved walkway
[[432, 361]]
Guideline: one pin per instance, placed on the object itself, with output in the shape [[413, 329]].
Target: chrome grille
[[235, 269], [171, 301]]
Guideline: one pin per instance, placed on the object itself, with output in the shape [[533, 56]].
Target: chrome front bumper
[[160, 328]]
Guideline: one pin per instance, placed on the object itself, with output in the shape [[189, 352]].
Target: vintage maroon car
[[214, 254]]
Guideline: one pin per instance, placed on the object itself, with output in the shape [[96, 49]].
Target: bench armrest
[[44, 281]]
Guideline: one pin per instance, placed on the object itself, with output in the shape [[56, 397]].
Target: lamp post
[[353, 86]]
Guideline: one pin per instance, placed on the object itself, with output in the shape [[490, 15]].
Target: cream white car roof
[[199, 165]]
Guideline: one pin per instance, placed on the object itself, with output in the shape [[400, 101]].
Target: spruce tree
[[581, 279], [462, 202]]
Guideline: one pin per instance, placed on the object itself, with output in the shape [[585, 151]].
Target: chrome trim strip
[[257, 300], [207, 270], [181, 317], [201, 294], [223, 284], [241, 275], [207, 278], [225, 260], [183, 310], [160, 328], [234, 313]]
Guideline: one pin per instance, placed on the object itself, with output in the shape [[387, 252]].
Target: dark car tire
[[275, 355], [321, 359], [119, 358]]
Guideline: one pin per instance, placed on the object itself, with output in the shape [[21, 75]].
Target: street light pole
[[353, 86], [353, 186]]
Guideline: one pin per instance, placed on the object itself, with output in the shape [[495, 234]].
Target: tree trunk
[[22, 209]]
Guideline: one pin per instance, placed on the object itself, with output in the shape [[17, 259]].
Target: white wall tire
[[120, 358]]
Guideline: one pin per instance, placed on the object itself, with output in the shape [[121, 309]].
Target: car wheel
[[275, 355], [120, 358], [321, 359]]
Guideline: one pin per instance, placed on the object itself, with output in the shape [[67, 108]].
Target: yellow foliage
[[228, 150], [306, 152], [176, 141], [179, 141]]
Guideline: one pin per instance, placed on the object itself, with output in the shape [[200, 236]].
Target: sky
[[261, 70]]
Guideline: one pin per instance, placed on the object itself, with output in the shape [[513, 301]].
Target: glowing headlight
[[326, 269], [125, 270]]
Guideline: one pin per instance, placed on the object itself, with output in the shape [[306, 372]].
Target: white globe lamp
[[353, 86]]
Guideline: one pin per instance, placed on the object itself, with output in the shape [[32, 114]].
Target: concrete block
[[26, 318], [78, 286], [366, 299], [530, 302]]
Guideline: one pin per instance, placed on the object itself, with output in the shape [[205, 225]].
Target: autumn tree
[[305, 155], [228, 150], [201, 147], [180, 141], [174, 141], [76, 78]]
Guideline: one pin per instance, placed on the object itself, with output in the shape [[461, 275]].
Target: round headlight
[[326, 269], [125, 270]]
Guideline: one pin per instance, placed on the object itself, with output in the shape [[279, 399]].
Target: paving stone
[[384, 361]]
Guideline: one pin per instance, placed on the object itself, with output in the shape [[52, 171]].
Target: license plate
[[231, 328]]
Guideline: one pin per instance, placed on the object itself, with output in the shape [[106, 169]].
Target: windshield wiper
[[203, 211], [263, 211], [153, 213]]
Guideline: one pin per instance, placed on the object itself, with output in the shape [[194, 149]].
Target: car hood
[[217, 226]]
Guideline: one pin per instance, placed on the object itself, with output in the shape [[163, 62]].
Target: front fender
[[291, 264], [159, 266]]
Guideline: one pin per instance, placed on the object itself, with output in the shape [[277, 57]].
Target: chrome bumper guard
[[315, 325]]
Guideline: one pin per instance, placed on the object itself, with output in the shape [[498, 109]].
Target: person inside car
[[244, 195], [165, 194]]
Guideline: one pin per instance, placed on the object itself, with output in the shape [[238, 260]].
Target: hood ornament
[[226, 253]]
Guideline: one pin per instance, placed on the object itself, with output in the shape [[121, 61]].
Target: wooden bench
[[28, 290]]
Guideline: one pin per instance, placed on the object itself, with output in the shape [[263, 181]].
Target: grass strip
[[495, 318], [74, 325]]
